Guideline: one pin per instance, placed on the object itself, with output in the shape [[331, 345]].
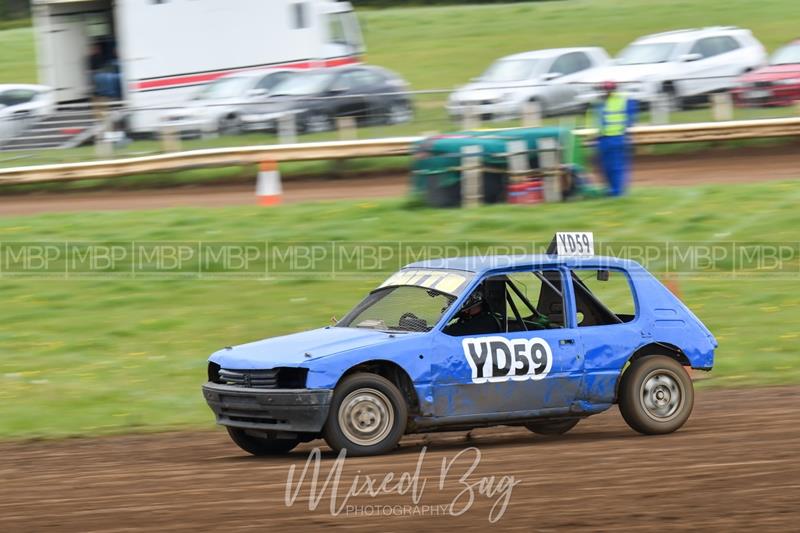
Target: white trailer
[[166, 48]]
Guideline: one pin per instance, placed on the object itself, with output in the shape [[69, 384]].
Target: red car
[[776, 84]]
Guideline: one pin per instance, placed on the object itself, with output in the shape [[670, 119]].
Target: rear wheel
[[368, 416], [399, 112], [552, 427], [656, 395], [261, 446]]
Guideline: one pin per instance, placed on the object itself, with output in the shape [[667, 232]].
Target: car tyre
[[552, 427], [261, 446], [399, 112], [368, 416], [317, 122], [656, 395], [230, 125]]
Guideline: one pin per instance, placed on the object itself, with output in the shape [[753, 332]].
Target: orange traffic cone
[[268, 184]]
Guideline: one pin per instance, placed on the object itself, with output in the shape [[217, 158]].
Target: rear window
[[603, 297]]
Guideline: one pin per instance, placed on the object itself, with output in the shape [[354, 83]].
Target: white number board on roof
[[575, 244]]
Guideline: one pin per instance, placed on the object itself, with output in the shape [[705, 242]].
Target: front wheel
[[656, 395], [261, 446], [368, 416]]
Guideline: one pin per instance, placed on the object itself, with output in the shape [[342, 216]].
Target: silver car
[[219, 106], [546, 77]]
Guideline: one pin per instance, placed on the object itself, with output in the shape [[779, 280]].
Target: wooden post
[[103, 145], [531, 115], [346, 127], [170, 139], [471, 118], [471, 176], [547, 149], [722, 106], [659, 110], [287, 128], [518, 161]]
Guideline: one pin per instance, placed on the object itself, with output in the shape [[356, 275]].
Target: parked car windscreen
[[508, 70], [227, 87], [787, 55], [642, 54], [304, 84], [16, 96]]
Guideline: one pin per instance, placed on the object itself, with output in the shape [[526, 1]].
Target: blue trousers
[[615, 162]]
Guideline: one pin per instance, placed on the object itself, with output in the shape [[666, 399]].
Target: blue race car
[[540, 341]]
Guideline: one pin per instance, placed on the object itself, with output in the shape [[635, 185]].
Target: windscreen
[[642, 54], [305, 84], [508, 70], [228, 87], [410, 300], [788, 55]]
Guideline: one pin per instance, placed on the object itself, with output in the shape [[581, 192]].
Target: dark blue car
[[539, 341]]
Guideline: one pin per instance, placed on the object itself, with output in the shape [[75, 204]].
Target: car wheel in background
[[670, 92], [399, 112], [656, 395], [552, 427], [368, 416], [230, 125], [261, 446], [317, 122]]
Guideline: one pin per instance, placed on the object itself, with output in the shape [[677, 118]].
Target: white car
[[546, 77], [219, 106], [23, 104], [682, 65]]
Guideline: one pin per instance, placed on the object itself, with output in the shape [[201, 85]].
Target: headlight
[[788, 81]]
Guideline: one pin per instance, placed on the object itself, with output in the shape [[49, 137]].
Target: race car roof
[[481, 264]]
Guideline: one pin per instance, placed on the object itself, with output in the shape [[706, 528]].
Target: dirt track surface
[[743, 166], [734, 466]]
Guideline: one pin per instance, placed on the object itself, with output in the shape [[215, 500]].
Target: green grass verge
[[98, 356]]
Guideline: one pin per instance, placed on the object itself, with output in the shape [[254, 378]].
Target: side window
[[565, 64], [529, 301], [582, 61], [701, 47], [602, 297], [728, 44], [345, 82], [299, 15]]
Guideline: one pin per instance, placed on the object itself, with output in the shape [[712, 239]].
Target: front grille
[[273, 378], [256, 379]]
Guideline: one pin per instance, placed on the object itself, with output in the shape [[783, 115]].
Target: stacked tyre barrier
[[522, 165]]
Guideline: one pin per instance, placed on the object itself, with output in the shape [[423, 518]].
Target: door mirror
[[551, 76], [603, 275], [686, 58], [257, 92]]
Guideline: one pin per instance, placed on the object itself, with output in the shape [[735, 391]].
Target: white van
[[163, 49]]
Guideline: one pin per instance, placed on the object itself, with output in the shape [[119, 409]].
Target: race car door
[[508, 350]]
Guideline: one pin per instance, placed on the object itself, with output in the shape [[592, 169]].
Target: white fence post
[[548, 152], [722, 106], [287, 128], [531, 114], [471, 176], [103, 145]]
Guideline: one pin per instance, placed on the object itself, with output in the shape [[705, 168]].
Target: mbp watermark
[[456, 488], [342, 260]]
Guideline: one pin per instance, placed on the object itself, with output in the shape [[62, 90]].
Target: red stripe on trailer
[[205, 77]]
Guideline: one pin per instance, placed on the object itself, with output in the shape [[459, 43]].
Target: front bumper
[[501, 110], [292, 410]]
